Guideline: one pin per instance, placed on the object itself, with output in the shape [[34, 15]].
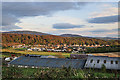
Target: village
[[58, 48]]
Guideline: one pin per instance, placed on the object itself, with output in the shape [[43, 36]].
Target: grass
[[11, 50], [54, 73], [20, 49]]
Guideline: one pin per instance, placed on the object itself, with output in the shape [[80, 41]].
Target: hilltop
[[26, 32], [70, 35]]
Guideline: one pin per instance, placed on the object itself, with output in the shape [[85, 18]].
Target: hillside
[[8, 38]]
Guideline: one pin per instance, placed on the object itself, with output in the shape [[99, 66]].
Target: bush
[[11, 72], [103, 68]]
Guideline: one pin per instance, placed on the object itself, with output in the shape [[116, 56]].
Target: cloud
[[9, 28], [66, 26], [107, 10], [99, 30], [105, 30], [12, 11], [8, 22], [113, 35], [103, 20], [118, 29]]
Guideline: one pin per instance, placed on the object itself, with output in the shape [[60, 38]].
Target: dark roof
[[48, 62], [91, 56]]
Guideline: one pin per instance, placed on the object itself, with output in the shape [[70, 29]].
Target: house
[[8, 59], [16, 46], [76, 45], [80, 49], [96, 45], [34, 49], [43, 49], [88, 46], [107, 45], [98, 61], [102, 45], [81, 45], [92, 46], [78, 56], [49, 49], [84, 45], [65, 45], [29, 49], [69, 50]]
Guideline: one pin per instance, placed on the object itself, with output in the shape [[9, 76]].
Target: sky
[[95, 19]]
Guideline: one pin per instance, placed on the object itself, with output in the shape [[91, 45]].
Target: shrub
[[103, 68]]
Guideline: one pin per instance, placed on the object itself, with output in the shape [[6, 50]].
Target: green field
[[56, 73]]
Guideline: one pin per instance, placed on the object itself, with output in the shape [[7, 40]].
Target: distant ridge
[[70, 35], [75, 35], [27, 32], [62, 35], [107, 38]]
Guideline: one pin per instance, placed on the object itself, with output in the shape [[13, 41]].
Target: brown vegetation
[[12, 39]]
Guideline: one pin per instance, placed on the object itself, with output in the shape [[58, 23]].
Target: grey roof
[[48, 62]]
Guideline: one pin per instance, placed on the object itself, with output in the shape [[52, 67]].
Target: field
[[59, 54]]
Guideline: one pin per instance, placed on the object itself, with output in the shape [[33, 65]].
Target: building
[[78, 56], [36, 61], [76, 61], [98, 61]]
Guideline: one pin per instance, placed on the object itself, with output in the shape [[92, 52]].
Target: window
[[98, 61], [104, 61], [91, 61], [116, 62], [111, 62]]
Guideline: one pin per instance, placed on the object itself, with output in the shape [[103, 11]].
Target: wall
[[101, 59]]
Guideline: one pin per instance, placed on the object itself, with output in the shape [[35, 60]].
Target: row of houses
[[56, 46], [46, 49], [21, 46], [69, 49]]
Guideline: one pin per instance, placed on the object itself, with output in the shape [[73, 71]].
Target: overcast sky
[[83, 18]]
